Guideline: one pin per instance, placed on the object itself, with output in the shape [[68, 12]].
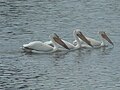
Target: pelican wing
[[70, 45], [38, 45], [94, 42]]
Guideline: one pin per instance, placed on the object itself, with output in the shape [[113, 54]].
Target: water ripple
[[23, 21]]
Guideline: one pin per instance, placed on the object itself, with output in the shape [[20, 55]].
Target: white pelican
[[76, 35], [95, 43], [40, 46]]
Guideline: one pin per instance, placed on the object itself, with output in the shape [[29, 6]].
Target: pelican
[[77, 35], [95, 43], [40, 46]]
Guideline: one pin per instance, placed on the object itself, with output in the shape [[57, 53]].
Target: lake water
[[23, 21]]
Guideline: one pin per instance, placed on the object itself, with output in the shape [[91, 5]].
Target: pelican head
[[82, 37], [58, 40], [104, 35]]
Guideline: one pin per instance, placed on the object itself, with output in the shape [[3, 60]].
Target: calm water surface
[[23, 21]]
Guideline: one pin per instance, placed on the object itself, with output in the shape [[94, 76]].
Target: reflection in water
[[59, 55], [106, 50]]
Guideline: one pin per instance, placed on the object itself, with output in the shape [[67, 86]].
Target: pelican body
[[78, 38], [101, 43], [40, 46]]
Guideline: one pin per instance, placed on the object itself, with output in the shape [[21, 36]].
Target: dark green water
[[23, 21]]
